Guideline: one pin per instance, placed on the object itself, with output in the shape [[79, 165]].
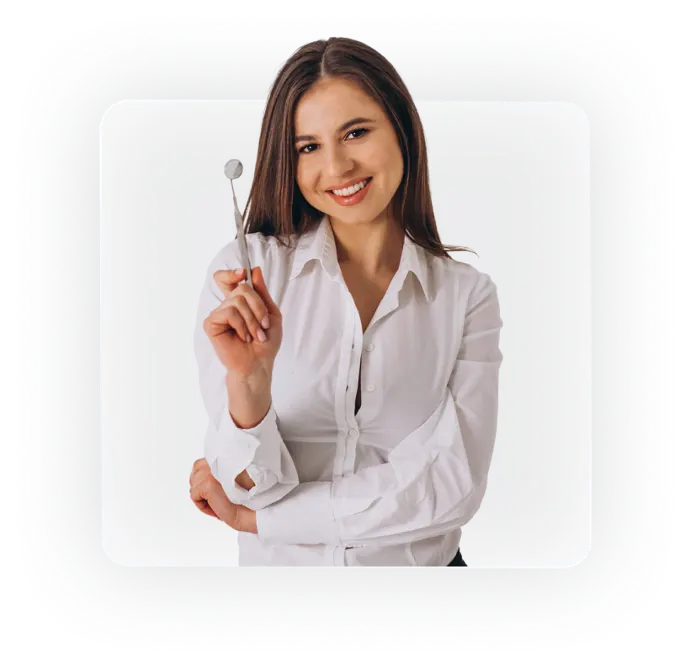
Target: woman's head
[[333, 152], [304, 151]]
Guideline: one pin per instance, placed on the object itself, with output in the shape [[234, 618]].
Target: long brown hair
[[275, 206]]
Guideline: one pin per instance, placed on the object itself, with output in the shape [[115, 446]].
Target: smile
[[351, 200]]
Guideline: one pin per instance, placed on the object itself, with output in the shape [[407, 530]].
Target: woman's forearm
[[249, 399]]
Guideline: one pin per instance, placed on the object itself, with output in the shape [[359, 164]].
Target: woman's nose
[[337, 161]]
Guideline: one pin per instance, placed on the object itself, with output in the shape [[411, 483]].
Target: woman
[[353, 393]]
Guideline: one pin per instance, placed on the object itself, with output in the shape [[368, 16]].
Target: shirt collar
[[319, 243], [416, 260]]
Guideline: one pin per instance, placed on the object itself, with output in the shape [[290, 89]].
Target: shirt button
[[370, 387], [353, 431], [370, 347]]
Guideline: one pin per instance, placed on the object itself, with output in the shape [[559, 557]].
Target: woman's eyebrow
[[342, 128]]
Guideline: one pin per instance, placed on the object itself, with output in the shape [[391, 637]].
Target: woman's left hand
[[208, 495]]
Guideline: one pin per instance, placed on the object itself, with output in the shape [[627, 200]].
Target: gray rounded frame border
[[62, 427]]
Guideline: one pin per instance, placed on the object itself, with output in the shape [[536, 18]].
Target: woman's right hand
[[234, 326]]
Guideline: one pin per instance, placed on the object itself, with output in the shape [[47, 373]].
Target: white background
[[510, 180]]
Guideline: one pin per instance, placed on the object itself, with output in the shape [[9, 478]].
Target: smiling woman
[[365, 433], [337, 114], [365, 149]]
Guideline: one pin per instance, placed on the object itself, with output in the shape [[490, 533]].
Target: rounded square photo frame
[[62, 430]]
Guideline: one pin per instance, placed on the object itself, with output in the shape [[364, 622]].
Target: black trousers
[[457, 561]]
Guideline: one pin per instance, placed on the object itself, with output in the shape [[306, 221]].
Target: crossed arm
[[433, 481]]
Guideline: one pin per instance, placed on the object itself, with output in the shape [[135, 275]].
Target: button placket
[[348, 430], [353, 434], [343, 407]]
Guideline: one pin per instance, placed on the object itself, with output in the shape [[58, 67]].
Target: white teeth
[[351, 190]]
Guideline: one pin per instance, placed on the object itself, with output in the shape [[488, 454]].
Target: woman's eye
[[361, 129]]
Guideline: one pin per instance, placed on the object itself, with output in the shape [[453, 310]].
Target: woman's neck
[[372, 248]]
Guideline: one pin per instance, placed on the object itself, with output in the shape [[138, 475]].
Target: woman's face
[[330, 155]]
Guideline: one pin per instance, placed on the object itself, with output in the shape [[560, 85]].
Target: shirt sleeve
[[433, 481], [229, 449]]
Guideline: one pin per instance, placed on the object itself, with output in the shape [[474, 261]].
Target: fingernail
[[265, 322], [248, 338], [239, 271], [261, 335]]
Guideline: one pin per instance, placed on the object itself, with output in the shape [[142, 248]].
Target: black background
[[37, 42]]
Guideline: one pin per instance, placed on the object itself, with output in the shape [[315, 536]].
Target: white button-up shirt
[[393, 483]]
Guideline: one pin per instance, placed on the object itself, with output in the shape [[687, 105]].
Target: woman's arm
[[242, 442], [248, 404], [434, 480]]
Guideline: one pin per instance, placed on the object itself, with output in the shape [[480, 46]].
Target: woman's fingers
[[200, 470], [205, 507], [210, 491], [254, 299], [225, 317], [247, 305], [238, 322], [195, 493], [253, 310], [198, 476], [228, 279], [262, 291], [245, 310]]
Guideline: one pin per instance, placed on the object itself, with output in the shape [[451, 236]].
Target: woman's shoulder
[[462, 276], [469, 290]]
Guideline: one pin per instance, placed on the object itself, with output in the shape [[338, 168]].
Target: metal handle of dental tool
[[233, 170]]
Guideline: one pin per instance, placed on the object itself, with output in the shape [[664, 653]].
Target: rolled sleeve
[[256, 450], [304, 516]]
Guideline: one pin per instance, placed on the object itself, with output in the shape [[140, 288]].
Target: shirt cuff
[[238, 449], [231, 430], [303, 516]]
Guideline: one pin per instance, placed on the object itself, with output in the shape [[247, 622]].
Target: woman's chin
[[355, 215]]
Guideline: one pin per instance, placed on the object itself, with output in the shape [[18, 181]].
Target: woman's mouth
[[351, 200]]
